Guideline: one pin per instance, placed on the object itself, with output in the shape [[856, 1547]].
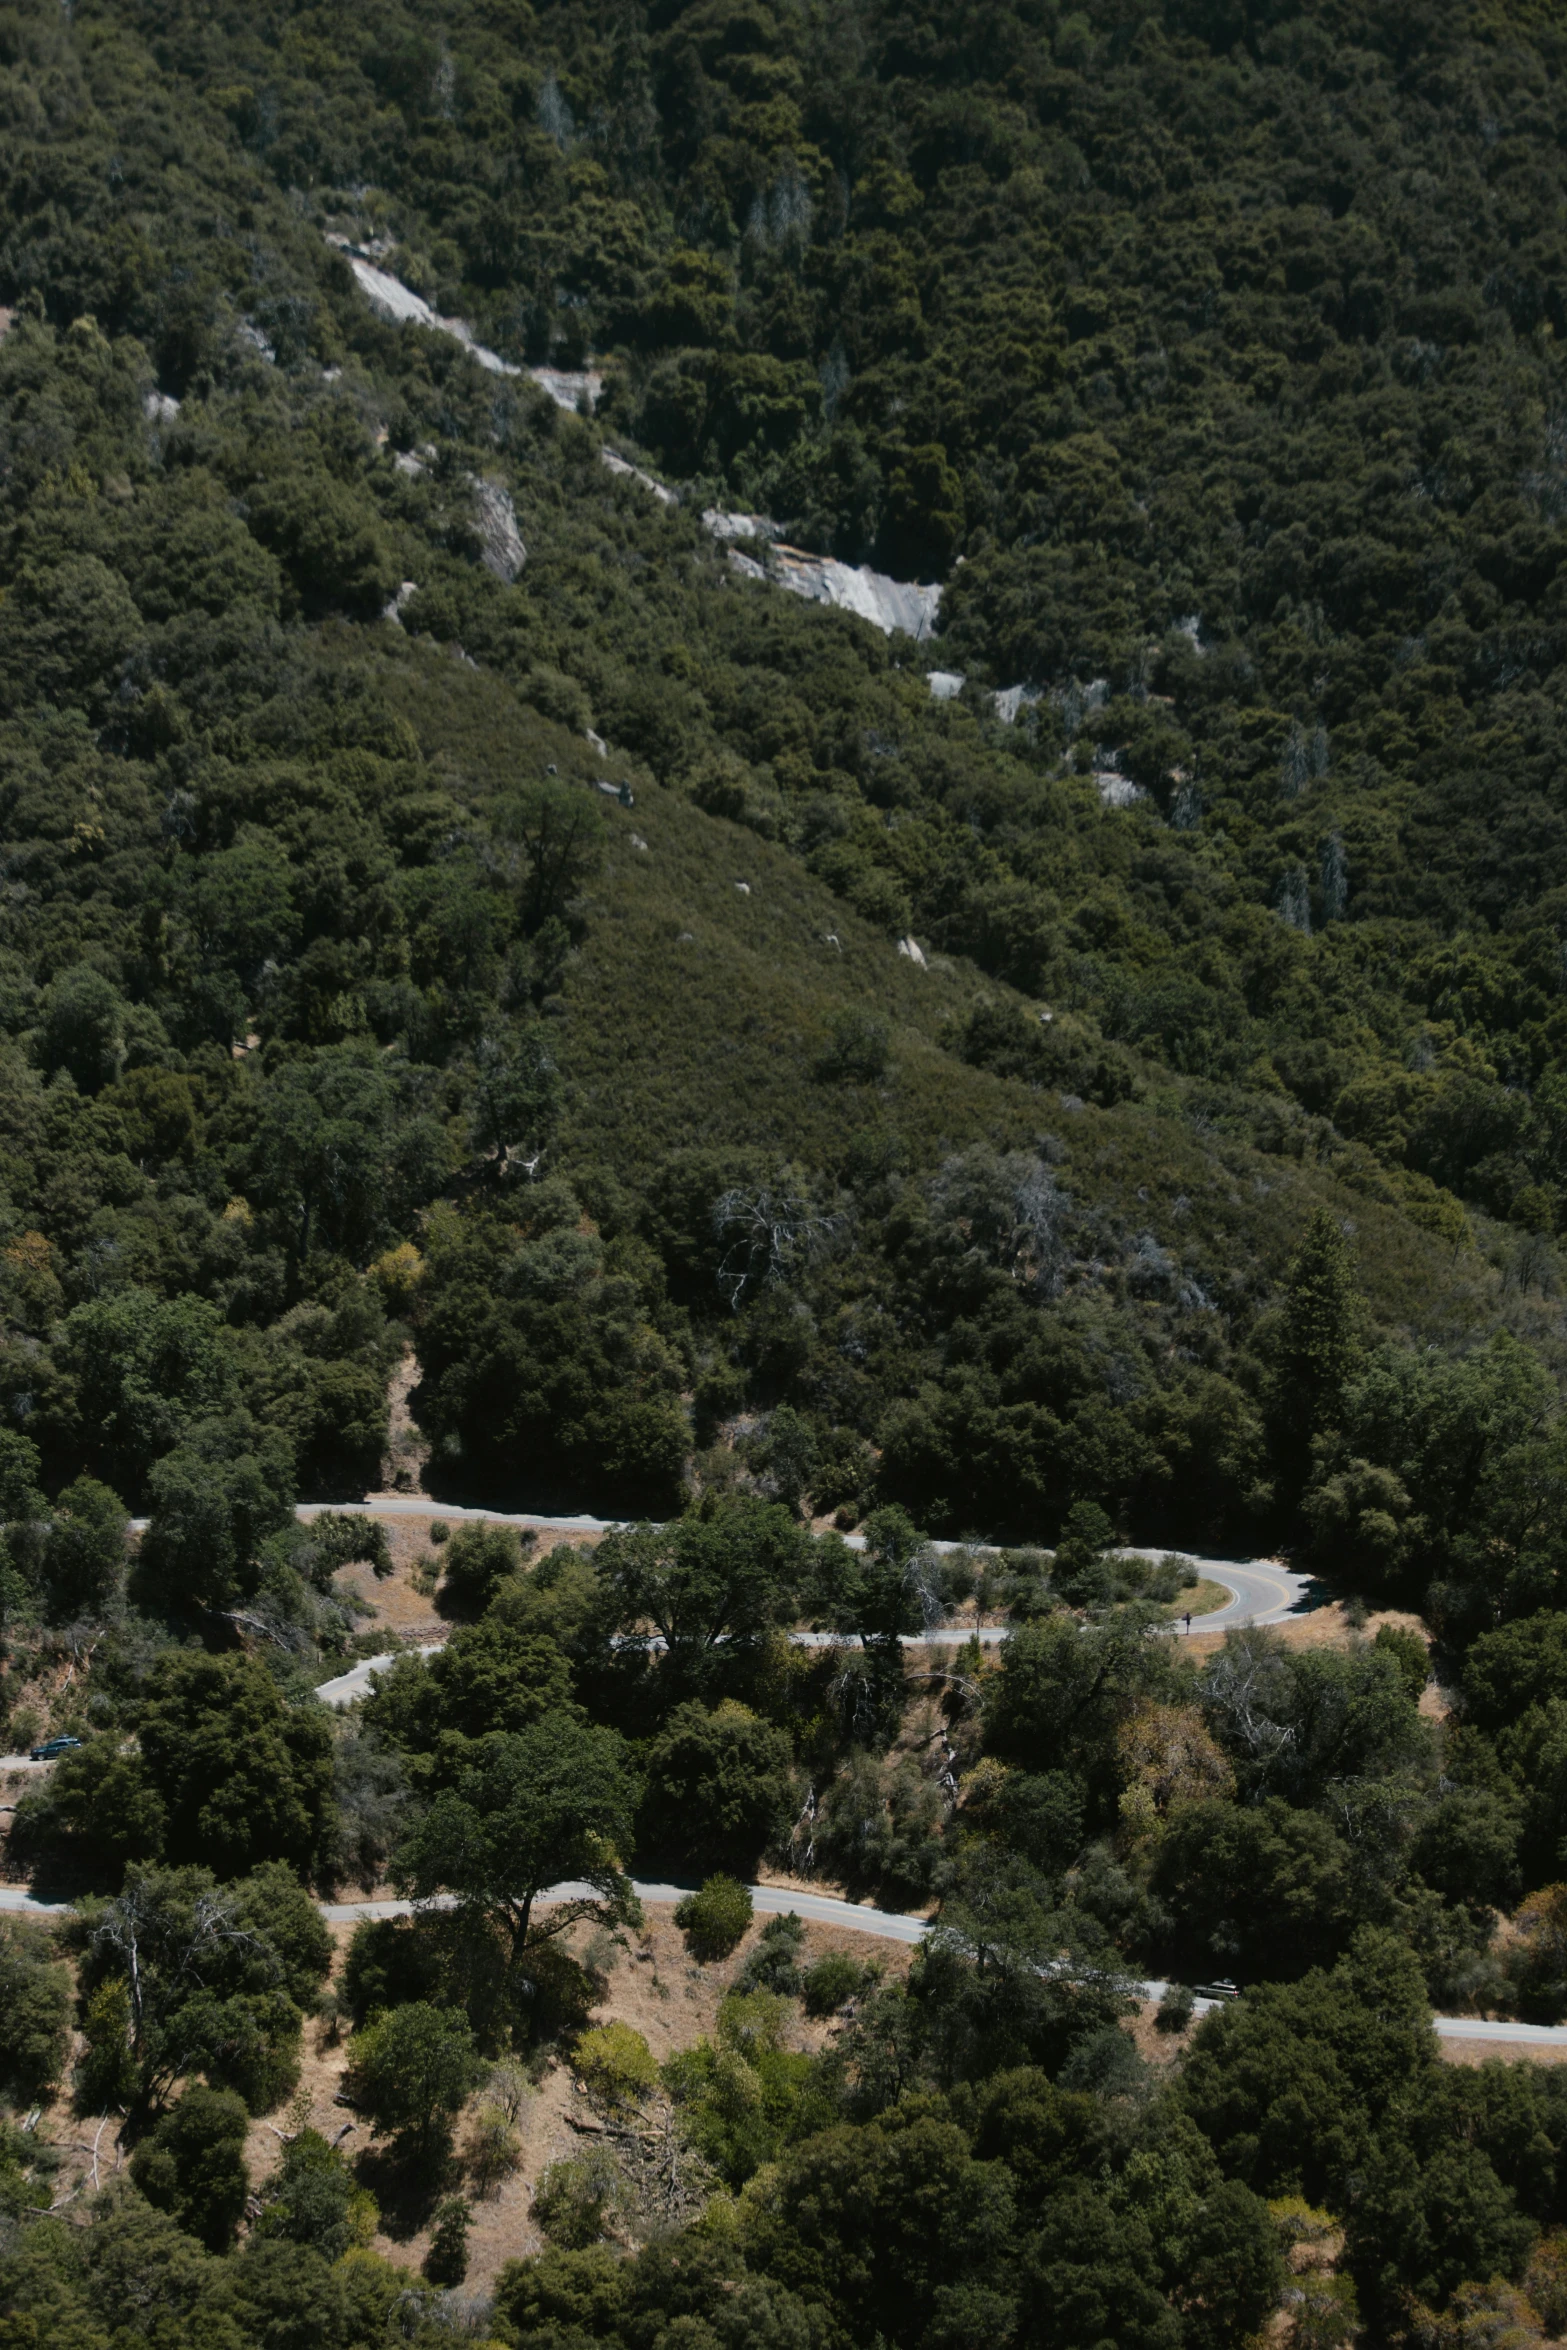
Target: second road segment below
[[823, 1909]]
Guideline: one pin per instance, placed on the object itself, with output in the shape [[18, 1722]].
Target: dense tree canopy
[[498, 995], [1248, 458]]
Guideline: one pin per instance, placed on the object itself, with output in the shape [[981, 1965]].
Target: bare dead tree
[[293, 1639], [769, 1232], [161, 1956], [79, 1640], [1238, 1688], [803, 1864], [923, 1576], [1011, 1210]]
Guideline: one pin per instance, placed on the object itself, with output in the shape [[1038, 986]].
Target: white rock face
[[158, 408], [1012, 700], [945, 684], [392, 299], [821, 579], [1118, 791], [912, 949], [394, 610], [619, 466], [500, 540], [572, 388], [886, 603], [720, 525]]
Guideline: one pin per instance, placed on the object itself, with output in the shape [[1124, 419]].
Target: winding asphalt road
[[883, 1925], [1261, 1591]]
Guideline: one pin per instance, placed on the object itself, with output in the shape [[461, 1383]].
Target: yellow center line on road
[[1274, 1583]]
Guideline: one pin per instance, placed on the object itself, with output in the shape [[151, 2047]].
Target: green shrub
[[774, 1963], [1175, 2009], [753, 2023], [410, 2071], [192, 2165], [35, 2012], [492, 2149], [719, 1788], [312, 2198], [477, 1559], [575, 2198], [858, 1051], [714, 1920], [106, 2073], [832, 1982], [1409, 1653], [616, 2064], [446, 2262], [389, 1962]]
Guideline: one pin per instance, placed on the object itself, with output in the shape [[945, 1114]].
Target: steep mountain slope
[[1236, 453], [1090, 1067]]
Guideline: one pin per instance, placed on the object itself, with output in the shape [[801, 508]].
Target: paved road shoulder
[[822, 1909]]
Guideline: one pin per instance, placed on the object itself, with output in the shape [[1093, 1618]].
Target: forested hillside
[[1243, 419], [1096, 1074]]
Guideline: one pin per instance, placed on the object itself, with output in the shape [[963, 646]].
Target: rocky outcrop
[[388, 295], [500, 541], [886, 603], [625, 471]]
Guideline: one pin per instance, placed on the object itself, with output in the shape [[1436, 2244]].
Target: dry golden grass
[[1320, 1627], [655, 1987]]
